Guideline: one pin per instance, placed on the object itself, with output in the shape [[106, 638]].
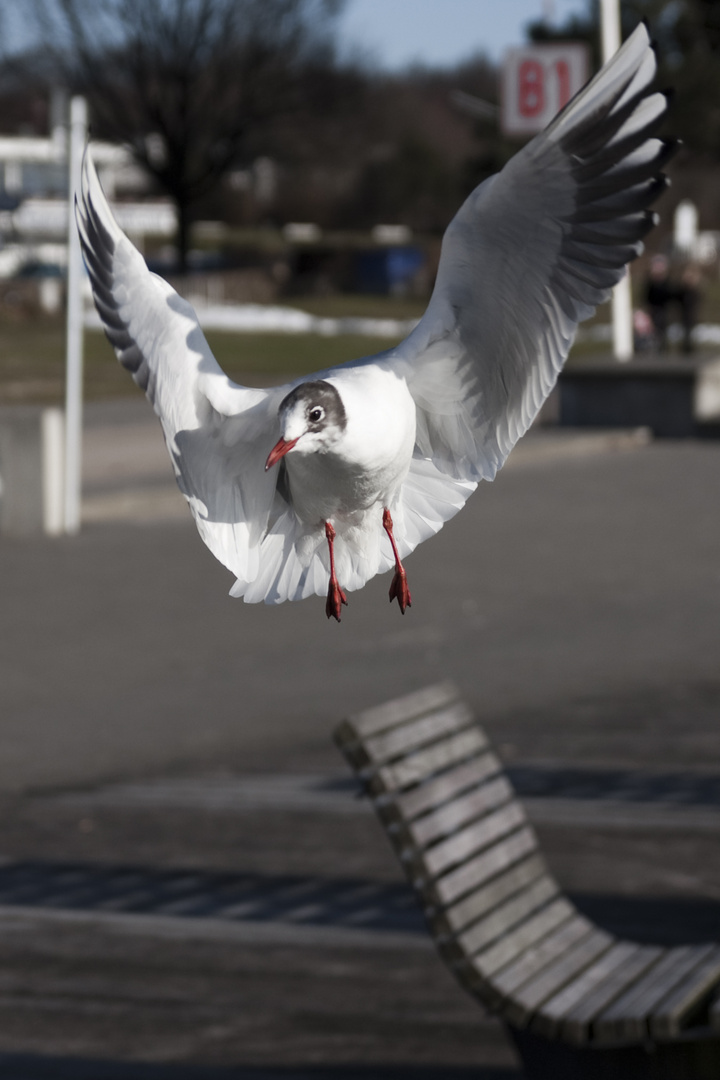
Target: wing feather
[[531, 253], [218, 434]]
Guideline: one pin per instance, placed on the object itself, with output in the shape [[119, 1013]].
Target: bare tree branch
[[198, 76]]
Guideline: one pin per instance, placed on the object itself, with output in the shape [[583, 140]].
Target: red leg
[[399, 587], [335, 597]]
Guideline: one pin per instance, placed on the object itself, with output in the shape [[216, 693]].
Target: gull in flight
[[316, 486]]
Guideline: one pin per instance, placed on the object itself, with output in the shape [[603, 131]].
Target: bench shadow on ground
[[665, 920], [36, 1067]]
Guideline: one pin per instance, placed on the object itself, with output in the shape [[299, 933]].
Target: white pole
[[74, 356], [53, 439], [622, 315], [609, 28]]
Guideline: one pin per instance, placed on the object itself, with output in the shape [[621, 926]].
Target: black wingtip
[[671, 146], [648, 29], [77, 213], [652, 41]]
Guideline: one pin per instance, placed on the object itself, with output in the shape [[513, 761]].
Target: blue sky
[[440, 32], [395, 33]]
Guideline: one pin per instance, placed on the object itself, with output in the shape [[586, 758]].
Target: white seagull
[[316, 486]]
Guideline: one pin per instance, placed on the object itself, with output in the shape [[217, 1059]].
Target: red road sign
[[537, 81]]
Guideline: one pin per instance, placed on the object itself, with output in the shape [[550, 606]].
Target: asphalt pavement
[[575, 600], [150, 724]]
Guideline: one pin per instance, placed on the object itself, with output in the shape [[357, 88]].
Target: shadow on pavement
[[656, 920], [34, 1067]]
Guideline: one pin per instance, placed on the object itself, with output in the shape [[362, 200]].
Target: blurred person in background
[[643, 330], [658, 295], [689, 296]]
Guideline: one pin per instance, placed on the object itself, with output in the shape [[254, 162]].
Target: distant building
[[34, 196]]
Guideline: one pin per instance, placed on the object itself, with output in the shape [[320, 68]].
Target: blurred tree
[[186, 83], [421, 152], [578, 27], [411, 182]]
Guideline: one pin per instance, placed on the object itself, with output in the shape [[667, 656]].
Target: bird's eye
[[316, 414]]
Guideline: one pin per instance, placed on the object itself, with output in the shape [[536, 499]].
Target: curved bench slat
[[528, 999], [589, 976], [481, 868], [417, 768], [497, 915], [683, 1003], [439, 789], [528, 933], [411, 736], [480, 834], [578, 1020], [538, 957], [451, 920], [469, 807], [504, 919], [626, 1020], [398, 711]]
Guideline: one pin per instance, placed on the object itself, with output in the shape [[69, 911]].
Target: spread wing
[[529, 255], [218, 434]]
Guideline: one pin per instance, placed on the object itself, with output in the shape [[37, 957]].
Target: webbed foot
[[336, 596], [335, 599], [399, 589]]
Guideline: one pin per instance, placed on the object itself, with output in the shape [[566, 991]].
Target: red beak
[[278, 451]]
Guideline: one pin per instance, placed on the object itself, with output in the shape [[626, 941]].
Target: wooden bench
[[578, 1002]]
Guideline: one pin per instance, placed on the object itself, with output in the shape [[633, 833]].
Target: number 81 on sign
[[537, 82]]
